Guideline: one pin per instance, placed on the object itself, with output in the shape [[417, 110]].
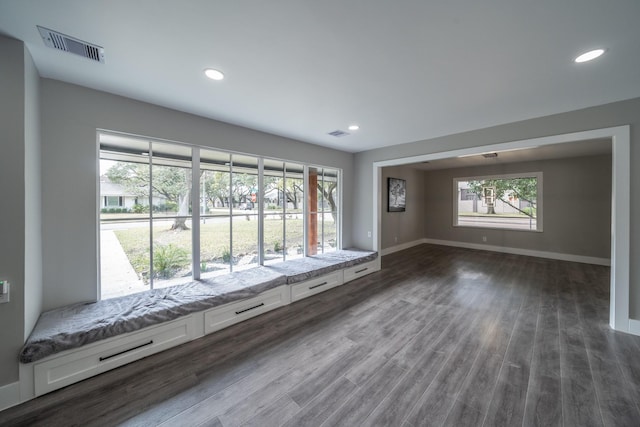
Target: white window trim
[[195, 216], [539, 201]]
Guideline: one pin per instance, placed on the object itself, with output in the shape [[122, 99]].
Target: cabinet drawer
[[226, 315], [360, 270], [314, 286], [75, 365]]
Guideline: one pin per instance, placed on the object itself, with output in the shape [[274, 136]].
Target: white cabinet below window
[[360, 270], [220, 317], [314, 286], [74, 365]]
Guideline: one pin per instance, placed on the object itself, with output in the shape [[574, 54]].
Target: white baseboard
[[528, 252], [9, 395], [634, 327], [401, 247]]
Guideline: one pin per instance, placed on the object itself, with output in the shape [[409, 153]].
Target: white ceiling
[[403, 70], [592, 147]]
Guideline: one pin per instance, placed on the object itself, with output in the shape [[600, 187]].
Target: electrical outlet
[[395, 239], [368, 234], [4, 291], [484, 238]]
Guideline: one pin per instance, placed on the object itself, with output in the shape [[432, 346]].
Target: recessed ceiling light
[[214, 74], [354, 127], [588, 56]]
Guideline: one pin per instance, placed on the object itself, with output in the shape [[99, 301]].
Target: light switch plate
[[4, 291]]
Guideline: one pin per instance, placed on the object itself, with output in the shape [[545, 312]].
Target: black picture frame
[[396, 195]]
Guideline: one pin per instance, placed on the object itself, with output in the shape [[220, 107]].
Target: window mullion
[[305, 210], [231, 213], [322, 209], [284, 211], [260, 198], [195, 212], [150, 216]]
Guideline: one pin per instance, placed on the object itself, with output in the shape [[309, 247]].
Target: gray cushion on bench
[[348, 257], [244, 284], [85, 323], [301, 269], [81, 324]]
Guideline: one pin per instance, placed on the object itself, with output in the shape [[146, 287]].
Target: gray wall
[[70, 116], [615, 114], [19, 174], [576, 198], [33, 195], [403, 227]]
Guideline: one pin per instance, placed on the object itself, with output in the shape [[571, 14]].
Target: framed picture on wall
[[396, 194]]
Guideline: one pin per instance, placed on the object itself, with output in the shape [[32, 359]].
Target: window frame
[[539, 200], [196, 215]]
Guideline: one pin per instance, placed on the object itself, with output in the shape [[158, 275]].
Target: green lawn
[[214, 239]]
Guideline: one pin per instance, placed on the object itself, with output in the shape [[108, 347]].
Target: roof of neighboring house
[[113, 189]]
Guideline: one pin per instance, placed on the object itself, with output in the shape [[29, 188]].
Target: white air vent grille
[[338, 133], [70, 44]]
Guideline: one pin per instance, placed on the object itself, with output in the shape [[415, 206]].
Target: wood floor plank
[[463, 415], [428, 336], [509, 396], [616, 403], [234, 395], [478, 388], [214, 422], [399, 402], [580, 405], [323, 405], [544, 395], [273, 415], [439, 336], [365, 399], [326, 374], [434, 405]]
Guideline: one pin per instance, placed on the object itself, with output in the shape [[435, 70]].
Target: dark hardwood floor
[[440, 336]]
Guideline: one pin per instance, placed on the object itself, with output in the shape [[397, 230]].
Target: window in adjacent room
[[512, 202]]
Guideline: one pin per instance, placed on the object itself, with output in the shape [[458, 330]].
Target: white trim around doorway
[[620, 205]]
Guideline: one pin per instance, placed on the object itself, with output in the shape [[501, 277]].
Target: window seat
[[302, 269], [81, 324]]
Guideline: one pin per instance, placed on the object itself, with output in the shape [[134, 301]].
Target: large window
[[512, 202], [323, 212], [185, 213], [283, 215]]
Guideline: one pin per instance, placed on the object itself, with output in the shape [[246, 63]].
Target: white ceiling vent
[[71, 44], [338, 133]]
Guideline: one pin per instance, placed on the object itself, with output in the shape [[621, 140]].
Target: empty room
[[300, 213]]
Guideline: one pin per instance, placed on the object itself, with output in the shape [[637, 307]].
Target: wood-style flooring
[[439, 336]]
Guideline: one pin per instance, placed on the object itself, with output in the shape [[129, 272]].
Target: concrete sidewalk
[[117, 276]]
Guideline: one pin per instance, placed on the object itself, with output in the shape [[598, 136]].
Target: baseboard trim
[[401, 247], [634, 327], [9, 395], [526, 252]]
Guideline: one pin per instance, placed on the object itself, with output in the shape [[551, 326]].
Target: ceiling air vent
[[72, 45], [338, 133]]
